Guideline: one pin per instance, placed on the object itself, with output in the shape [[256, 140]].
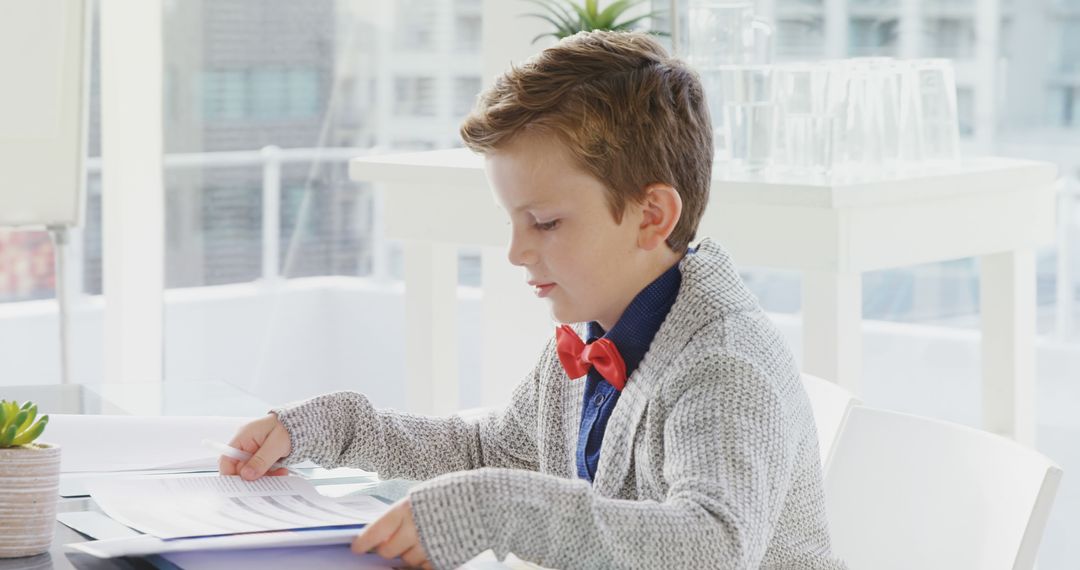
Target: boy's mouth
[[542, 289]]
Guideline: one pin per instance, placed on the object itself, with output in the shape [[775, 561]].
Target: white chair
[[830, 404], [904, 491]]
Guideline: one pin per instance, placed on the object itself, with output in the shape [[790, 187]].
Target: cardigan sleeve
[[728, 463], [344, 429]]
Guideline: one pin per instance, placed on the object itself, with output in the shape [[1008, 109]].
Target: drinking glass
[[721, 33], [802, 143], [939, 135], [748, 101], [725, 32], [858, 121]]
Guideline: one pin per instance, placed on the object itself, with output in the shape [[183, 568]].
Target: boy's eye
[[547, 226]]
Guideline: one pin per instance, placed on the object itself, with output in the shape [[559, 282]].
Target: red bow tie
[[577, 357]]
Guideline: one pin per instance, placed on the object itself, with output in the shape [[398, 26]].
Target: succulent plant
[[18, 425], [569, 17]]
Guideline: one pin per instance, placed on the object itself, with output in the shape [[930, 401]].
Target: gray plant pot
[[29, 491]]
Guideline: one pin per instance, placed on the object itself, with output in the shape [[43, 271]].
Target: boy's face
[[563, 232]]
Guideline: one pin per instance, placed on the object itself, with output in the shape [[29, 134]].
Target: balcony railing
[[272, 159]]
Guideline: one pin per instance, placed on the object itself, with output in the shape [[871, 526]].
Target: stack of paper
[[188, 513]]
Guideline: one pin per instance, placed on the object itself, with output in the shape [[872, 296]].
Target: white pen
[[230, 451]]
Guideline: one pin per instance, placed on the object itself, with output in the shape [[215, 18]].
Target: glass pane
[[26, 266], [873, 3], [951, 3], [278, 277], [952, 38], [1069, 56], [873, 36], [801, 37], [29, 310]]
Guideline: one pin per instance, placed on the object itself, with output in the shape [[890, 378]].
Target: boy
[[680, 435]]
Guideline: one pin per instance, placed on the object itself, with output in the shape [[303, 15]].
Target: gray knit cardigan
[[710, 458]]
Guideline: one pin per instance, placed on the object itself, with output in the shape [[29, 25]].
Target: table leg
[[431, 352], [1007, 302], [832, 327]]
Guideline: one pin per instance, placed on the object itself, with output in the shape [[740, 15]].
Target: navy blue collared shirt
[[632, 335]]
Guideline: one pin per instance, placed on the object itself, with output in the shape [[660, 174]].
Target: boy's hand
[[394, 535], [267, 440]]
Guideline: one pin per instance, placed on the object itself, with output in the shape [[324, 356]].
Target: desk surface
[[185, 398], [166, 398]]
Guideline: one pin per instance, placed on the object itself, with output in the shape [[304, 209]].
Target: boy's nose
[[520, 253]]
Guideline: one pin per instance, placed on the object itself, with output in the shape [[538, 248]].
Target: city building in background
[[242, 76]]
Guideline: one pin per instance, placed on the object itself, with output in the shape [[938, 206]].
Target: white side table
[[998, 210]]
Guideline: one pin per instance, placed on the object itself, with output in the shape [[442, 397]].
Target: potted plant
[[29, 482], [569, 17]]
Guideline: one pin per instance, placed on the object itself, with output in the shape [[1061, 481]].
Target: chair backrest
[[904, 491], [830, 404]]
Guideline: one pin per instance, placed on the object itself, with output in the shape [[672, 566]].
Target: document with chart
[[183, 507]]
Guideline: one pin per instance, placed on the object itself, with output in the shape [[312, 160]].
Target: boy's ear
[[660, 212]]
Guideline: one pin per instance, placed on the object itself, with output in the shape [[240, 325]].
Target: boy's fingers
[[415, 557], [280, 436], [256, 466], [227, 466], [374, 534], [259, 463], [401, 542], [274, 447]]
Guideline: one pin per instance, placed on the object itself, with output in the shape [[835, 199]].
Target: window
[[965, 110], [1062, 108], [224, 94], [800, 37], [261, 94], [465, 91], [1006, 33], [952, 38], [798, 3], [953, 4], [873, 3], [303, 93], [1069, 56], [873, 36], [414, 96], [269, 93], [26, 266], [467, 33], [416, 25]]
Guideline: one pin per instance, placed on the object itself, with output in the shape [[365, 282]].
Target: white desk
[[198, 398], [998, 210]]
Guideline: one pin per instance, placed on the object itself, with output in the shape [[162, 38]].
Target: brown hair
[[630, 115]]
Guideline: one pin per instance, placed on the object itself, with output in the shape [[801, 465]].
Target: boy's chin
[[566, 315]]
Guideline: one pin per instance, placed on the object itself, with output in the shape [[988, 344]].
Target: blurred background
[[278, 279]]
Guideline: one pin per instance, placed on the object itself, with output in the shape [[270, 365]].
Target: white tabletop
[[462, 168]]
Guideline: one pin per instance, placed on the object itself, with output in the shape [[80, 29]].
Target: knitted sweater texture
[[710, 458]]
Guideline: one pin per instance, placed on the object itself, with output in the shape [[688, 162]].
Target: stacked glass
[[854, 118], [858, 117], [723, 35]]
